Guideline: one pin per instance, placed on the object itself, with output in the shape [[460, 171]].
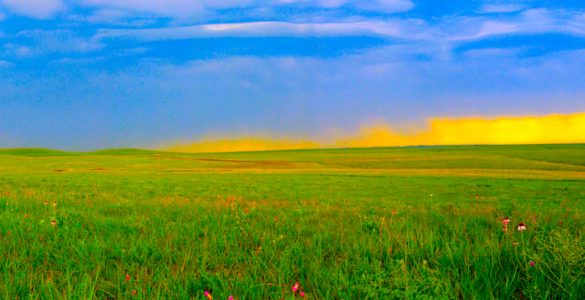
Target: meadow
[[380, 223]]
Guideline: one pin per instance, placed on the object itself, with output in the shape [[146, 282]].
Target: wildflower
[[54, 203], [127, 278], [302, 294], [505, 221], [295, 287], [54, 222], [521, 227], [46, 202], [134, 293], [231, 297], [207, 295], [515, 244], [532, 263]]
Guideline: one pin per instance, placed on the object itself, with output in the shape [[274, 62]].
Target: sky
[[92, 74]]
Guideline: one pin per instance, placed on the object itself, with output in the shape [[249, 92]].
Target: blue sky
[[87, 74]]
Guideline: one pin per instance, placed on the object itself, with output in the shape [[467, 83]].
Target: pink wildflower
[[295, 287], [532, 263], [302, 294], [207, 295], [231, 297], [521, 227], [506, 221]]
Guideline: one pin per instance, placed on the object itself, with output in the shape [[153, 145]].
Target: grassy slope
[[357, 223]]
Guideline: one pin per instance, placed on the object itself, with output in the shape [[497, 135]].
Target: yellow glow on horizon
[[566, 128], [558, 128], [244, 144]]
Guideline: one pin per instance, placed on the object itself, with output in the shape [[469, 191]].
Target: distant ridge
[[123, 151], [42, 152], [35, 152]]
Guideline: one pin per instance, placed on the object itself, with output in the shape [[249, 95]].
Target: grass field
[[382, 223]]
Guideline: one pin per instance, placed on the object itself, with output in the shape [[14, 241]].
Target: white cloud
[[445, 31], [17, 50], [490, 53], [402, 29], [38, 42], [40, 9], [171, 8], [188, 8], [501, 8], [389, 6], [533, 21], [112, 17]]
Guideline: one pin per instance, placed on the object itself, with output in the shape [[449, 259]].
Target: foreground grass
[[352, 224]]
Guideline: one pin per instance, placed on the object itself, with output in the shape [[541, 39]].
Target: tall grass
[[148, 235]]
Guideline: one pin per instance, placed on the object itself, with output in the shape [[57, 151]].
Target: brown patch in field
[[251, 164], [98, 169], [175, 200], [224, 160], [164, 157], [63, 170]]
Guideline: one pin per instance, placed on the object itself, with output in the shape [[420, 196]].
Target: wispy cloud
[[40, 9], [186, 8], [490, 53], [4, 64], [402, 29], [501, 8], [532, 21], [38, 42]]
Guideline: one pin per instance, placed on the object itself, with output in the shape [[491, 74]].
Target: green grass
[[346, 224]]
